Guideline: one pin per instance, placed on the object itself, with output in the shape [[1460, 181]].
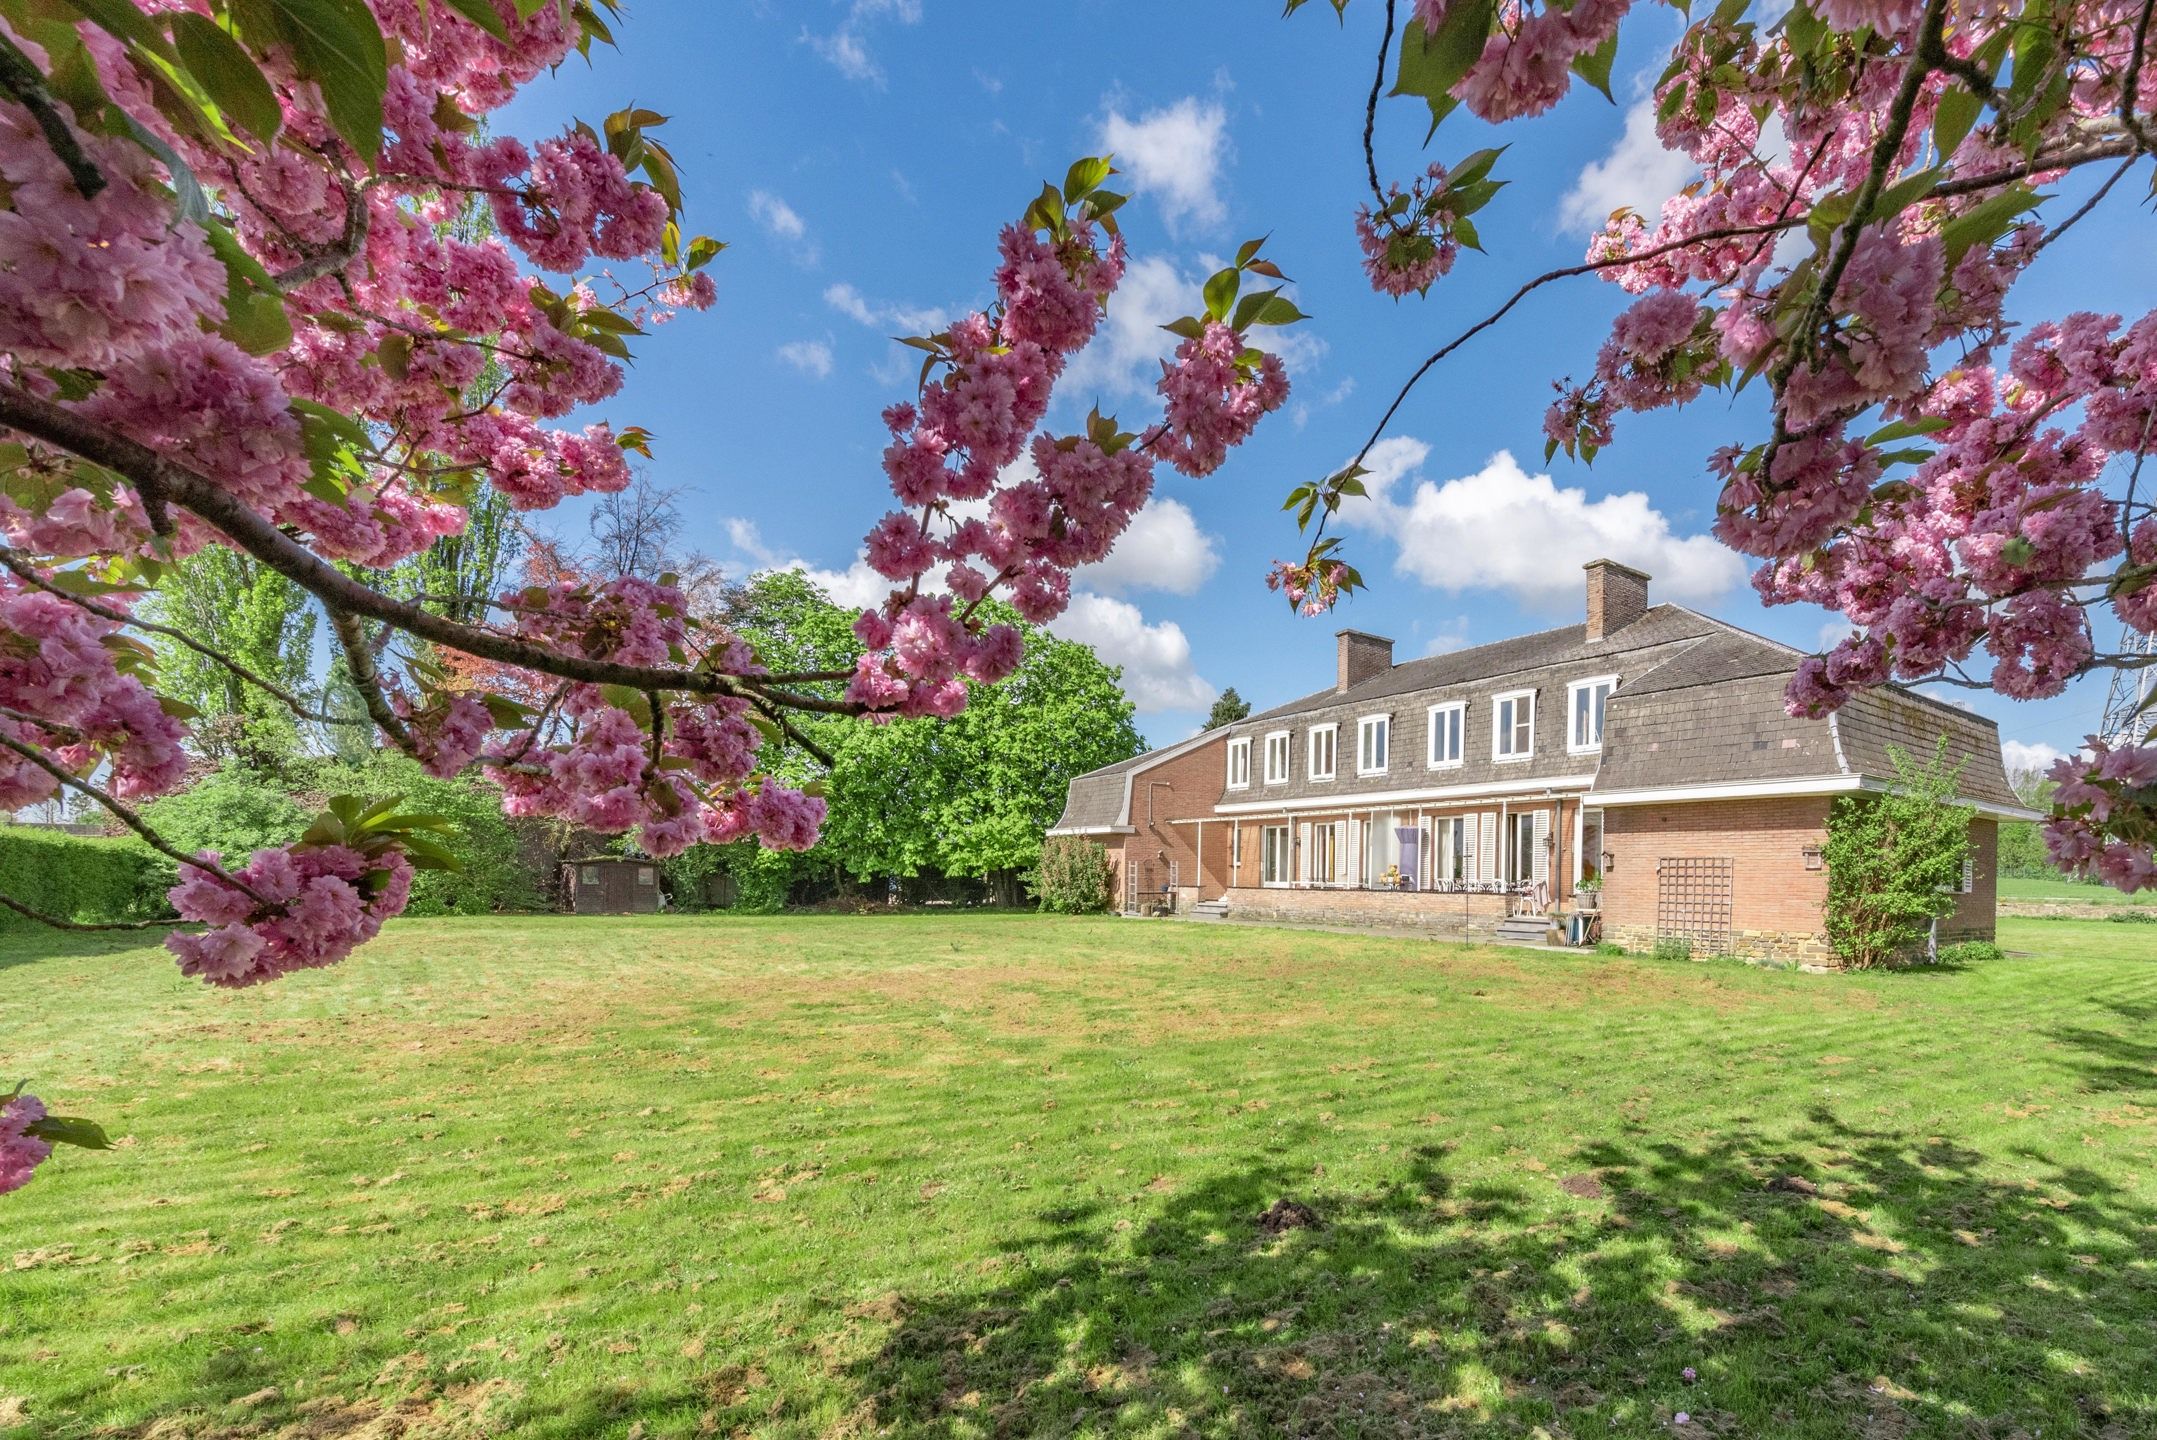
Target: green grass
[[1001, 1176], [2071, 890]]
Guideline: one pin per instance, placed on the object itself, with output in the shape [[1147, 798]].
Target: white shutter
[[1542, 848], [1351, 850], [1486, 847]]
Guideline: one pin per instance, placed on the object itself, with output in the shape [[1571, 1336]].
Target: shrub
[[1970, 952], [1894, 861], [2131, 915], [494, 878], [1609, 947], [83, 878], [235, 812], [1073, 877], [1673, 947], [238, 811]]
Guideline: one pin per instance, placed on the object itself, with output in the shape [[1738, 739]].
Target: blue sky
[[859, 156]]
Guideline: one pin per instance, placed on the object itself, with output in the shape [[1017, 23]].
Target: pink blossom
[[20, 1152]]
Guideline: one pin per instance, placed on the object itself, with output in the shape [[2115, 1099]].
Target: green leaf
[[1906, 430], [227, 73], [1986, 222], [1085, 176], [1188, 327], [1473, 168], [1953, 121], [70, 1130], [257, 323], [336, 44], [1220, 292], [1594, 66], [1431, 65], [480, 13]]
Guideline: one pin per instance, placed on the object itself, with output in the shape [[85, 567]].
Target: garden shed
[[610, 885]]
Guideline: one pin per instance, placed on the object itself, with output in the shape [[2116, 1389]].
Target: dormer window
[[1585, 703], [1513, 725], [1374, 744]]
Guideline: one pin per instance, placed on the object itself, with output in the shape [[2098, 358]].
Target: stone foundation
[[1767, 947], [1459, 917]]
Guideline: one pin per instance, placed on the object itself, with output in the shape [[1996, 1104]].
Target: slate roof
[[1094, 800], [1698, 703], [1546, 662]]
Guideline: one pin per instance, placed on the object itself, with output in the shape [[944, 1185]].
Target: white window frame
[[1500, 731], [1573, 743], [1329, 844], [1364, 725], [1460, 737], [1284, 870], [1332, 732], [1239, 750], [1284, 737]]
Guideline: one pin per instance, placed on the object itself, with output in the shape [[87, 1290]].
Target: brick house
[[1639, 762]]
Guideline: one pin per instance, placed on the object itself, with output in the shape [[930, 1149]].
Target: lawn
[[1003, 1175], [2070, 890]]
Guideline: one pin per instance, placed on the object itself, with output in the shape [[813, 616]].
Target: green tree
[[1894, 861], [969, 796], [243, 610], [1228, 709]]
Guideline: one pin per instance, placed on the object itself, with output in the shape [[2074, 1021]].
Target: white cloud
[[1124, 355], [857, 586], [810, 357], [1502, 528], [1156, 658], [775, 215], [1638, 172], [1174, 154], [844, 47], [2021, 759], [1834, 632], [913, 319], [1162, 550]]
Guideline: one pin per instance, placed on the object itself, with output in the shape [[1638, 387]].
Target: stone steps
[[1524, 930]]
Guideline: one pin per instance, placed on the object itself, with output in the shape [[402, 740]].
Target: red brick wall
[[1777, 909], [1182, 789], [1976, 914], [1775, 901]]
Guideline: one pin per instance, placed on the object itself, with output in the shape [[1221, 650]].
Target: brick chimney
[[1617, 596], [1361, 657]]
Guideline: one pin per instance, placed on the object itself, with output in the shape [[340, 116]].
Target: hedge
[[83, 878]]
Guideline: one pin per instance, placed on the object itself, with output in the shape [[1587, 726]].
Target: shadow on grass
[[1910, 1290], [27, 944]]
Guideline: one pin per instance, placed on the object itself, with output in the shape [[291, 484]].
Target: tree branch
[[79, 926], [1370, 111], [122, 812], [1884, 150], [367, 678], [334, 258], [2059, 160], [12, 561], [19, 78], [163, 481]]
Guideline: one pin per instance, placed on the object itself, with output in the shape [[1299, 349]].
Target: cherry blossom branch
[[2057, 161], [19, 78], [337, 256], [162, 481], [367, 677], [1819, 308], [29, 576], [126, 815], [1370, 111]]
